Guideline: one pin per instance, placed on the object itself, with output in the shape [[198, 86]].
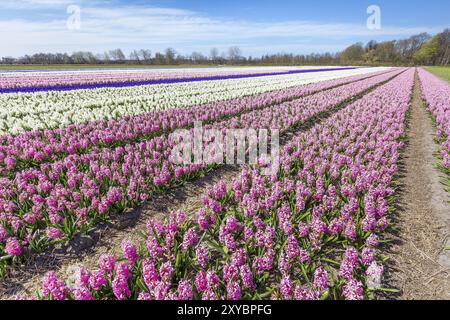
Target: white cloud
[[33, 4], [104, 28]]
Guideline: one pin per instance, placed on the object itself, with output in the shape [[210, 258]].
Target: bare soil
[[419, 262]]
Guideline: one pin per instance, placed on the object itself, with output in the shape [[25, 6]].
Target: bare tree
[[214, 55], [159, 58], [234, 53], [117, 55], [444, 52], [106, 57], [170, 55], [197, 57], [134, 56], [146, 55]]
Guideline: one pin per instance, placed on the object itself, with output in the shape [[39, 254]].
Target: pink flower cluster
[[309, 232]]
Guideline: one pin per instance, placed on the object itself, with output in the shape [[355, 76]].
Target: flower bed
[[22, 112], [60, 199], [310, 232], [436, 94]]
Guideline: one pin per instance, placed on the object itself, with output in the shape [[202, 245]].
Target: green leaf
[[265, 295], [325, 295], [178, 261], [331, 261], [4, 258], [386, 290]]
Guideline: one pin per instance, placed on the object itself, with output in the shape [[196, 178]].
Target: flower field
[[66, 80], [78, 148], [436, 94], [59, 109]]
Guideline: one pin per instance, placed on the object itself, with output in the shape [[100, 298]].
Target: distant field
[[102, 66], [443, 72], [125, 66]]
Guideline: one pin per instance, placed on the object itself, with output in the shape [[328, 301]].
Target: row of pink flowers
[[48, 79], [310, 232], [35, 147], [436, 93], [72, 194]]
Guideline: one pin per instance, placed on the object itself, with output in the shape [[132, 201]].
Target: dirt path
[[420, 265]]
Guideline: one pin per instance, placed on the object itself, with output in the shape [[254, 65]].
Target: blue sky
[[257, 26]]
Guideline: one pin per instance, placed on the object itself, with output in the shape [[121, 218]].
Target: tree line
[[422, 49]]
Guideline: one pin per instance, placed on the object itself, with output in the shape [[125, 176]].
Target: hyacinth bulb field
[[231, 183]]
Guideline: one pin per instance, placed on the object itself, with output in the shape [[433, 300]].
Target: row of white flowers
[[157, 71], [20, 112]]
